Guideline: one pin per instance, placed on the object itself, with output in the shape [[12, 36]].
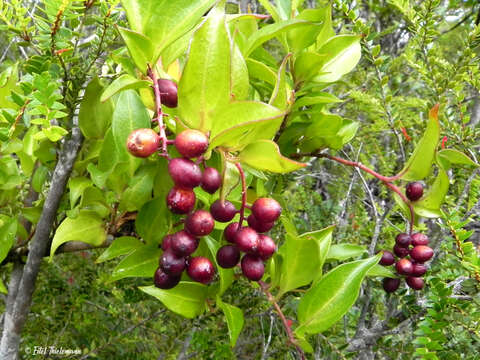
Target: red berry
[[421, 253], [404, 267], [266, 210], [403, 240], [211, 180], [199, 223], [401, 252], [172, 264], [167, 242], [184, 243], [415, 283], [168, 92], [143, 142], [223, 212], [247, 240], [184, 172], [180, 201], [419, 239], [230, 231], [266, 247], [252, 267], [258, 226], [228, 256], [419, 269], [201, 269], [191, 143], [414, 190], [164, 281], [387, 258], [390, 284]]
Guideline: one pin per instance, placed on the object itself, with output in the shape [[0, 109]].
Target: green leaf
[[456, 157], [95, 116], [272, 10], [316, 98], [420, 163], [87, 227], [429, 204], [8, 230], [142, 262], [139, 189], [381, 271], [77, 186], [342, 53], [39, 178], [303, 258], [205, 83], [120, 246], [186, 299], [240, 84], [341, 252], [329, 299], [261, 71], [300, 39], [234, 316], [152, 221], [124, 82], [280, 94], [140, 48], [3, 288], [307, 65], [265, 155]]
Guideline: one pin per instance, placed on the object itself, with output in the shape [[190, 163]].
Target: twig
[[158, 111]]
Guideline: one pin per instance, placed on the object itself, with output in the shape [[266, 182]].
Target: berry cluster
[[411, 251]]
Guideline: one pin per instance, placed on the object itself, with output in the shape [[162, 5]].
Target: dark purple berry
[[259, 226], [211, 180], [184, 243], [419, 239], [390, 284], [230, 231], [266, 210], [266, 247], [184, 172], [164, 281], [191, 143], [199, 223], [201, 269], [421, 253], [416, 283], [387, 258], [419, 269], [401, 252], [171, 263], [143, 142], [404, 267], [223, 212], [167, 242], [180, 201], [252, 267], [403, 240], [247, 240], [228, 256], [168, 92], [414, 190]]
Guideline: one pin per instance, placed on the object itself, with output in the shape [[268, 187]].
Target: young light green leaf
[[8, 230], [77, 186], [186, 299], [329, 299], [39, 178], [234, 316], [120, 246], [381, 271], [307, 65], [300, 39], [87, 227], [265, 155], [456, 157], [341, 252], [261, 71], [139, 46], [280, 94], [430, 202], [142, 262], [123, 82], [420, 162]]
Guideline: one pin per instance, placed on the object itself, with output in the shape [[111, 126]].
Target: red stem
[[244, 195], [158, 112]]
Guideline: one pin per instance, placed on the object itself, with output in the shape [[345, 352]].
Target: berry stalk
[[244, 194], [158, 112]]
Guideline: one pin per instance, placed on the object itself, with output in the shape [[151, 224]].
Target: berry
[[180, 201], [266, 247], [164, 281], [184, 244], [401, 252], [167, 242], [211, 180], [259, 226], [390, 284], [228, 256], [404, 267], [201, 269], [247, 240], [168, 92], [191, 143], [184, 172], [421, 253], [266, 210], [223, 212], [414, 191], [403, 240], [419, 269], [230, 231], [200, 223], [419, 239], [387, 258], [172, 264], [415, 283], [252, 267], [143, 142]]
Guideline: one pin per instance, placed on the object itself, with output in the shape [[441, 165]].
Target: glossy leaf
[[300, 39], [87, 227], [341, 252], [152, 222], [316, 98], [307, 65], [420, 162], [280, 95], [139, 189], [430, 202], [39, 178], [382, 271], [455, 157], [142, 262], [329, 299], [120, 246], [139, 46], [8, 230], [265, 155], [235, 320], [76, 186], [123, 82], [261, 71], [186, 299]]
